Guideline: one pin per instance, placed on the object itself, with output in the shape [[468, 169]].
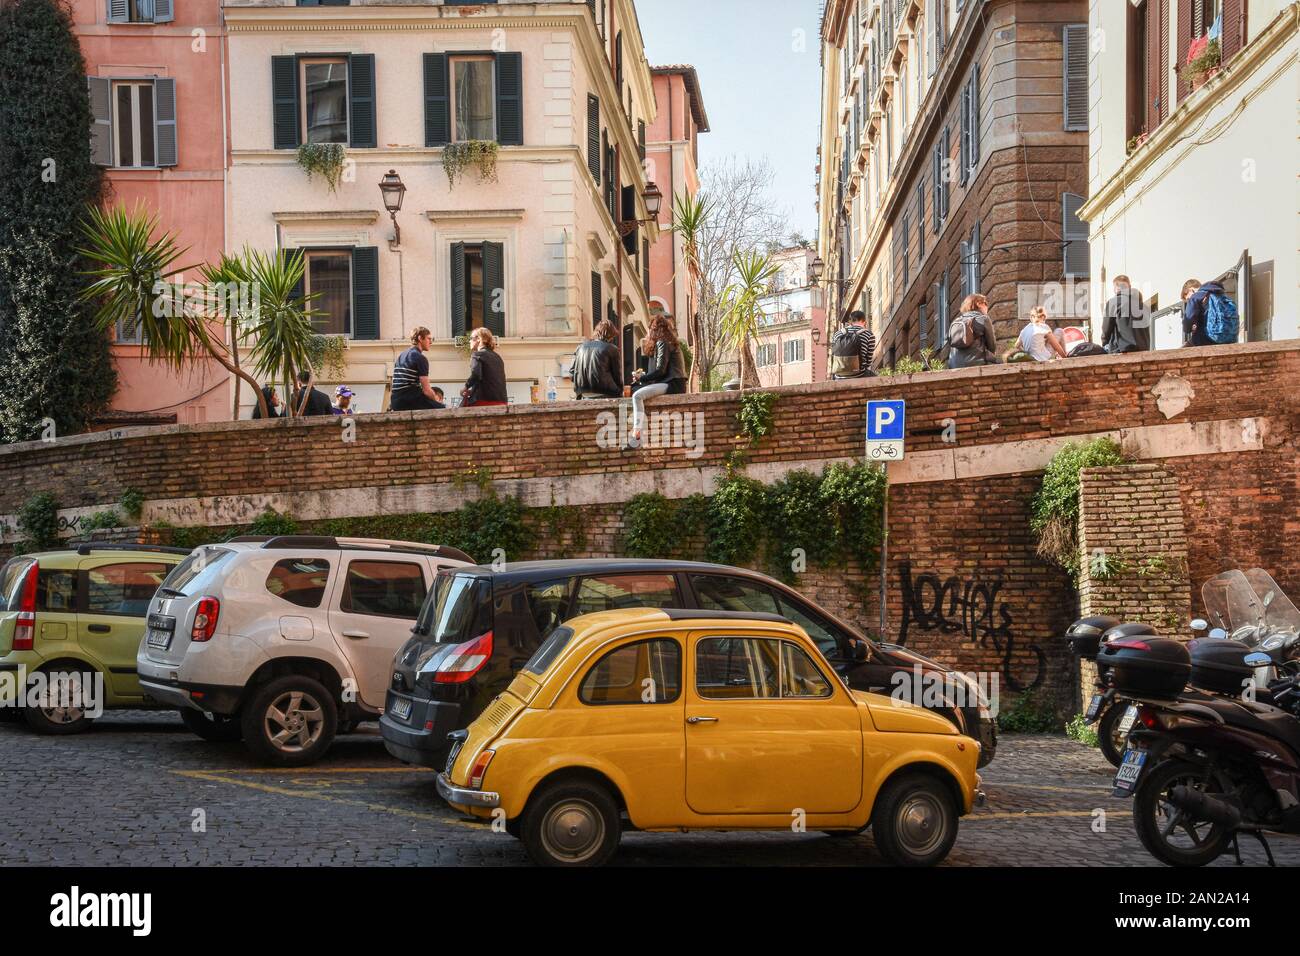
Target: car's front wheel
[[573, 823], [212, 727], [290, 722], [915, 820], [61, 700]]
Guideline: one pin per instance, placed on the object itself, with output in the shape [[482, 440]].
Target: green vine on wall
[[38, 520], [1054, 512], [328, 355], [480, 154], [754, 417], [325, 160]]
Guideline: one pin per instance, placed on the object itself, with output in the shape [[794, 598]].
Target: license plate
[[1128, 720], [159, 638], [1094, 705], [1130, 770], [401, 708]]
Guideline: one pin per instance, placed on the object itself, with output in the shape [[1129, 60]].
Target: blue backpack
[[1221, 322]]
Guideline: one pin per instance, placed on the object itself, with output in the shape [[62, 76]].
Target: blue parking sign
[[885, 430]]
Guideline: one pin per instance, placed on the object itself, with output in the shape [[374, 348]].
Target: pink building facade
[[157, 76], [792, 334], [672, 161]]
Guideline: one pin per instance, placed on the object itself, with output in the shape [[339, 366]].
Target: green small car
[[70, 626]]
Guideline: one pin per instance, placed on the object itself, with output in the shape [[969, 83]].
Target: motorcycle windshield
[[1231, 603], [1280, 612]]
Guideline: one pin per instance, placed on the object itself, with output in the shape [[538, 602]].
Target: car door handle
[[701, 720], [356, 635], [98, 628]]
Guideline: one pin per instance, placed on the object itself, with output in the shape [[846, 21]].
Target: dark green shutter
[[510, 99], [361, 100], [365, 292], [299, 287], [284, 101], [437, 103], [640, 137], [645, 265], [630, 241], [597, 296], [494, 287], [459, 299], [593, 136]]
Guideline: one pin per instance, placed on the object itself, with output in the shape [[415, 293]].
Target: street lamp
[[817, 269], [393, 190], [654, 201]]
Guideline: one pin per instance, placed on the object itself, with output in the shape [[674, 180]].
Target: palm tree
[[132, 284], [690, 215], [754, 274]]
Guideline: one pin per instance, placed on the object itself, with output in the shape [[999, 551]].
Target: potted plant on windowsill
[[1203, 59], [479, 153], [325, 160], [1135, 143]]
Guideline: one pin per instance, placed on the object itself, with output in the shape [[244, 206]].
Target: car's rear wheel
[[212, 727], [915, 820], [573, 823], [62, 698], [290, 722]]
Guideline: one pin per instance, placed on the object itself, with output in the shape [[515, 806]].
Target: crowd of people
[[1209, 317]]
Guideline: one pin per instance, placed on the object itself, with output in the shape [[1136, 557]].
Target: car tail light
[[25, 624], [465, 661], [205, 620], [479, 770]]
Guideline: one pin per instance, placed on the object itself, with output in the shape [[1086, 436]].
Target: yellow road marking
[[1050, 789], [1044, 813], [310, 771], [221, 776]]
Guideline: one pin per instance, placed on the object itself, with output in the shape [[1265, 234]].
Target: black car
[[479, 626]]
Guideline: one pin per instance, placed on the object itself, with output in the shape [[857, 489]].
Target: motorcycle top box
[[1084, 635], [1146, 666], [1219, 666]]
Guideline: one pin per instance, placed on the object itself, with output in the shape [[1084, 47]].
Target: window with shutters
[[904, 235], [478, 295], [765, 355], [923, 330], [1204, 15], [920, 222], [473, 95], [970, 125], [327, 279], [1075, 95], [593, 137], [941, 314], [971, 262], [793, 351], [139, 11], [324, 117], [1136, 68], [134, 133]]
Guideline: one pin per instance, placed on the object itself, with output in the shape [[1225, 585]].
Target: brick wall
[[977, 596]]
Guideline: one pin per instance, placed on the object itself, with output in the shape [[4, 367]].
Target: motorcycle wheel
[[1167, 832], [1109, 741]]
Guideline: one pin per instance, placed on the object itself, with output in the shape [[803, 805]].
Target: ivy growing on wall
[[38, 521], [325, 160], [754, 417], [1054, 512]]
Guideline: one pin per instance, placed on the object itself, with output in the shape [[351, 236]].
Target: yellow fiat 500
[[684, 720]]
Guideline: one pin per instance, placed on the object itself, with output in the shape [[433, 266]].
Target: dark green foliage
[[52, 362], [1029, 714], [38, 520], [657, 527], [737, 520], [754, 417], [1054, 512], [132, 502], [801, 525], [271, 522]]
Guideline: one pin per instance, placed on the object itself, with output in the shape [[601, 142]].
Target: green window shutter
[[631, 240], [510, 99], [645, 265], [284, 101], [459, 296], [593, 136], [597, 297], [101, 120], [494, 287], [365, 292], [299, 291], [162, 11], [640, 137], [164, 111], [437, 102], [361, 101]]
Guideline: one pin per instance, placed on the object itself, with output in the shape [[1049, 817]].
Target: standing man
[[1126, 327], [852, 348], [411, 390], [316, 401]]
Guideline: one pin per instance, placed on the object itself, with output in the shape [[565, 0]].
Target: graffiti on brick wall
[[970, 607]]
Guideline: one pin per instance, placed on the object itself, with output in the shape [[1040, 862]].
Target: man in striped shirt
[[853, 348], [411, 390]]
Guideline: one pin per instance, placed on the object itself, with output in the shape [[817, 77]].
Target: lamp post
[[393, 190], [654, 201]]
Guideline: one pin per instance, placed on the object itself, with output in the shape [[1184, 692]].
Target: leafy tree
[[54, 364]]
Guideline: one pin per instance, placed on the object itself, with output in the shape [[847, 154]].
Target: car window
[[741, 668], [549, 650], [299, 581], [830, 641], [799, 675], [647, 672], [383, 589], [12, 576], [184, 577], [609, 592], [546, 604], [124, 588], [458, 610], [717, 592], [56, 590]]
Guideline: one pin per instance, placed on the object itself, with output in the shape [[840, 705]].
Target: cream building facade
[[556, 237], [1196, 183]]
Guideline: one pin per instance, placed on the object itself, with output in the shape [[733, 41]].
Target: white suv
[[283, 640]]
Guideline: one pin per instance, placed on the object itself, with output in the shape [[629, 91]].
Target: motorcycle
[[1114, 721], [1205, 765]]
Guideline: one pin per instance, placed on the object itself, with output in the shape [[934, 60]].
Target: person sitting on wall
[[1126, 326], [274, 407], [308, 399], [597, 369], [411, 390], [486, 384]]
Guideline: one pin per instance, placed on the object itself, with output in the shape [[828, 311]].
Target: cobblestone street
[[127, 793]]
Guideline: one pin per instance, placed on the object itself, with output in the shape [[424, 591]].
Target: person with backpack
[[1126, 326], [971, 341], [852, 348], [1209, 315]]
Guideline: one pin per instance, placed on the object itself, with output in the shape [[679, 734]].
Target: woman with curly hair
[[665, 376]]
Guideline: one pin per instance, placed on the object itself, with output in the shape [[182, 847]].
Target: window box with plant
[[473, 105], [1203, 59]]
